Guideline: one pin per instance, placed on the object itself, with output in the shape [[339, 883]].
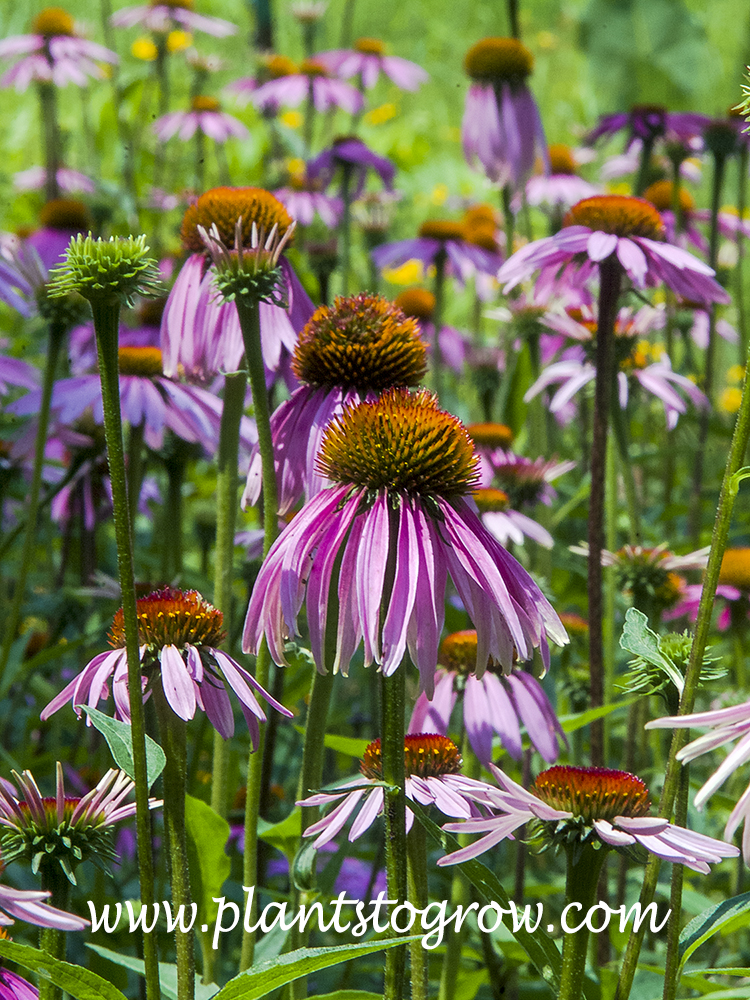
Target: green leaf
[[637, 638], [348, 745], [266, 977], [728, 915], [120, 740], [167, 974], [350, 995], [284, 835], [207, 835], [570, 723], [82, 984]]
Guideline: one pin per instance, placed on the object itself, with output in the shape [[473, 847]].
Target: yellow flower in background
[[295, 166], [439, 194], [409, 273], [546, 40], [144, 48], [730, 400], [292, 119], [177, 41], [384, 113], [736, 373], [621, 187]]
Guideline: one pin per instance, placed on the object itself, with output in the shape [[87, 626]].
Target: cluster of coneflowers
[[383, 515]]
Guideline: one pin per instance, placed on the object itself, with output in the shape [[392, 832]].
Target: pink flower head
[[162, 18], [31, 906], [501, 128], [68, 180], [402, 470], [15, 987], [432, 763], [561, 187], [441, 241], [496, 703], [178, 633], [587, 805], [303, 199], [628, 230], [349, 352], [368, 60], [53, 54], [353, 160], [205, 115], [651, 122], [200, 333], [313, 81]]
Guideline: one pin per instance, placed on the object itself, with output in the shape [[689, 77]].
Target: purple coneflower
[[205, 114], [200, 333], [593, 805], [17, 373], [402, 471], [628, 230], [498, 703], [303, 199], [163, 17], [733, 587], [419, 303], [59, 221], [561, 187], [353, 159], [368, 60], [501, 125], [13, 986], [68, 180], [61, 830], [31, 905], [661, 196], [311, 80], [432, 764], [649, 122], [441, 242], [272, 67], [349, 352], [178, 633], [53, 53]]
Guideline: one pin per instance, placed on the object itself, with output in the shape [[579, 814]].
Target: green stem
[[106, 321], [437, 321], [392, 749], [739, 295], [346, 226], [513, 18], [510, 219], [249, 315], [418, 893], [724, 509], [175, 479], [235, 384], [644, 165], [10, 625], [609, 635], [671, 978], [51, 939], [51, 135], [610, 277], [314, 746], [135, 468], [619, 423], [173, 735], [581, 886]]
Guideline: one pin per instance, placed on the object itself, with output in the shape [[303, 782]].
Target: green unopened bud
[[117, 269], [248, 274]]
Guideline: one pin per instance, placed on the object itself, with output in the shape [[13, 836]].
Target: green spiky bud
[[116, 269]]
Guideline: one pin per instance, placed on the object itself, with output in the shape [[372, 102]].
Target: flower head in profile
[[54, 53], [571, 807], [163, 17], [402, 470], [648, 123], [498, 703], [352, 160], [353, 350], [562, 186], [200, 332], [205, 115], [733, 589], [620, 228], [501, 128], [367, 60], [61, 830], [178, 635], [312, 80], [433, 777], [444, 243]]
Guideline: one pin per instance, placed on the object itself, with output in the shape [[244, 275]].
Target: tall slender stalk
[[739, 291], [610, 277], [441, 260], [235, 384], [52, 940], [727, 494], [51, 137], [106, 314], [392, 750], [418, 895], [346, 225], [10, 625], [173, 735], [580, 887], [675, 895]]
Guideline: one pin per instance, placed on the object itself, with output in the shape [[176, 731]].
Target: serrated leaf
[[266, 977], [80, 983], [167, 973], [637, 638], [120, 740], [724, 916], [207, 834]]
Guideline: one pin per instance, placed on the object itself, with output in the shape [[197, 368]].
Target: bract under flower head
[[403, 443], [490, 435], [144, 361], [427, 755], [53, 21], [416, 302], [592, 792], [363, 342], [620, 215], [172, 617], [498, 59], [442, 229], [735, 568], [65, 213], [223, 207]]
